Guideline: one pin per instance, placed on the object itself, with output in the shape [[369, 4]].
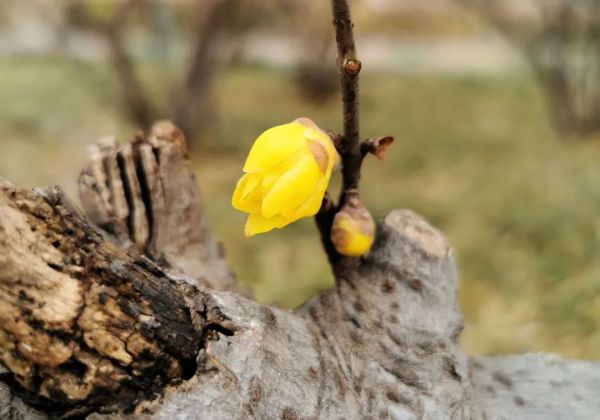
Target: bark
[[81, 319], [537, 386], [91, 326], [145, 196]]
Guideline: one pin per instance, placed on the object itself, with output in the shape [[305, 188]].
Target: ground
[[476, 155]]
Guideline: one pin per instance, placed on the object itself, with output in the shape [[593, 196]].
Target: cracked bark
[[139, 318], [145, 197]]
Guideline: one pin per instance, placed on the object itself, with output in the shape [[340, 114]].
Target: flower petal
[[257, 224], [316, 135], [320, 154], [293, 188], [312, 205], [246, 196], [348, 237], [270, 176], [274, 146]]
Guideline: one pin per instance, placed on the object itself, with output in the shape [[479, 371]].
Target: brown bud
[[377, 146], [352, 66]]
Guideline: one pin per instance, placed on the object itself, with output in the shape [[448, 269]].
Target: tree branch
[[86, 327], [348, 145], [135, 102], [349, 67]]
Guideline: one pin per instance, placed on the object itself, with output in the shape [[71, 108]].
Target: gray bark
[[537, 386], [89, 329]]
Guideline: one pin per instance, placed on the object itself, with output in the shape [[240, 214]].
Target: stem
[[349, 145], [349, 66]]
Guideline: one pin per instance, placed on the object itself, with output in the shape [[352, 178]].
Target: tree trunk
[[193, 109], [98, 322], [560, 40]]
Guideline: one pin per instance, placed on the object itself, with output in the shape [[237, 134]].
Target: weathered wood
[[89, 328], [144, 195], [382, 343], [81, 321], [537, 386]]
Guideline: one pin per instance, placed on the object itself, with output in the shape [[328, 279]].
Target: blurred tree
[[213, 23], [561, 41], [315, 74], [307, 24]]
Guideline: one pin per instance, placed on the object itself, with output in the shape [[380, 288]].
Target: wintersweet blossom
[[286, 175]]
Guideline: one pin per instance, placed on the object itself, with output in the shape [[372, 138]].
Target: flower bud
[[353, 229], [286, 175]]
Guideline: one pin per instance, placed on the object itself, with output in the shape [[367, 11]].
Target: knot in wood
[[427, 238]]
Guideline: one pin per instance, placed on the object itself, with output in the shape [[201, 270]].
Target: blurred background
[[494, 104]]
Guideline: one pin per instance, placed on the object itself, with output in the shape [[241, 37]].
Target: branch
[[536, 386], [349, 66], [86, 327], [136, 103], [324, 222], [348, 144]]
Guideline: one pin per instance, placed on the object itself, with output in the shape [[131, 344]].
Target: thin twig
[[348, 144], [349, 66], [324, 221]]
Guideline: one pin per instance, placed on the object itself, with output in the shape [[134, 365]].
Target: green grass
[[476, 156]]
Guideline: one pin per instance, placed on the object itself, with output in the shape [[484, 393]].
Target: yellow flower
[[353, 230], [286, 174]]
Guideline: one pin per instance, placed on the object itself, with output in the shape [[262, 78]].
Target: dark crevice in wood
[[156, 153], [220, 329], [121, 164], [145, 189], [189, 367], [107, 179]]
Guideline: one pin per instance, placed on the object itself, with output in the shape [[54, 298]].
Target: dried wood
[[83, 322], [145, 196], [371, 345]]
